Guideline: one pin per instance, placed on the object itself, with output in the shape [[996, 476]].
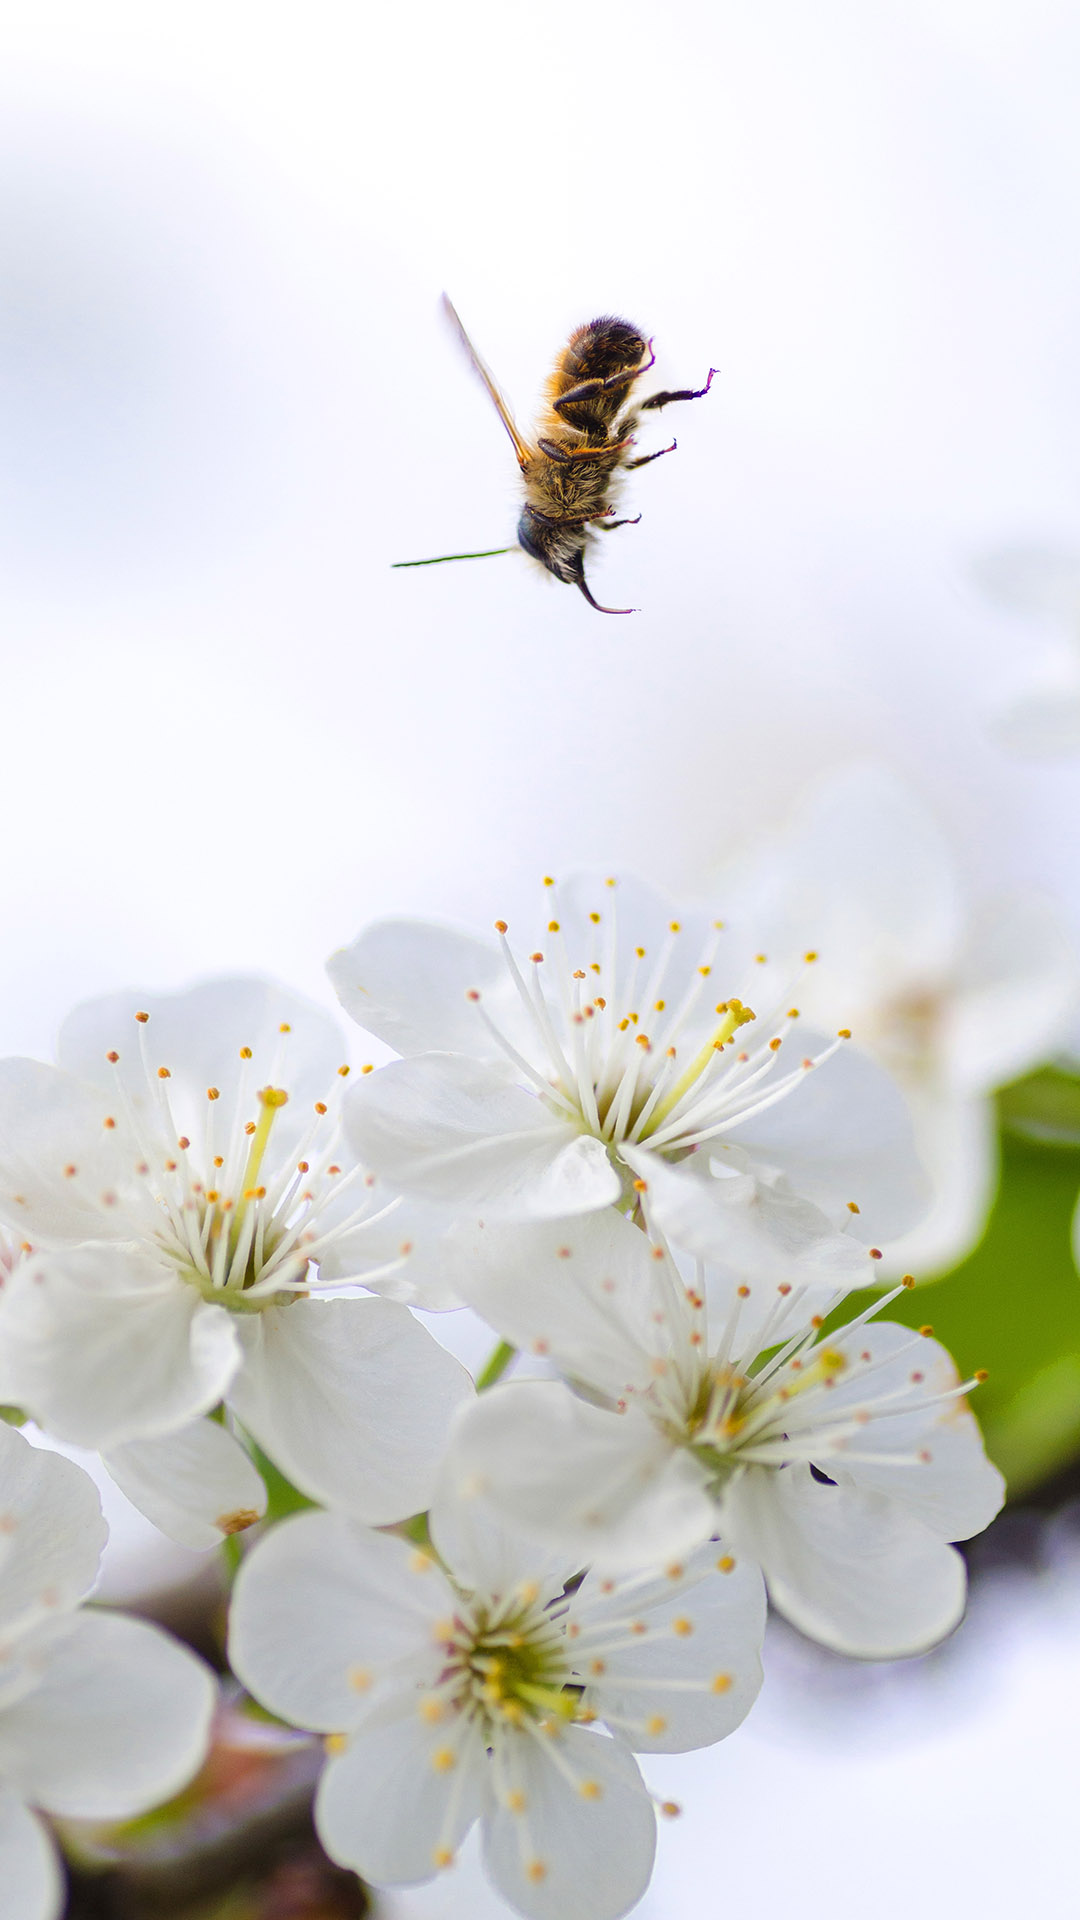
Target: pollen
[[675, 1571], [443, 1759], [876, 1253], [237, 1521], [597, 1667], [725, 1564], [656, 1724], [285, 1027], [183, 1143], [108, 1121], [213, 1093], [335, 1743], [590, 1790], [670, 1809], [843, 1033], [927, 1331], [682, 1626], [142, 1018], [245, 1053], [721, 1683], [981, 1376], [359, 1679], [443, 1857], [112, 1058], [536, 1871], [553, 926], [775, 1045], [810, 957], [515, 1800], [501, 926], [320, 1107], [852, 1207]]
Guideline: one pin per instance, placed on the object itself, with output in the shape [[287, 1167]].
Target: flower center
[[628, 1048], [507, 1663]]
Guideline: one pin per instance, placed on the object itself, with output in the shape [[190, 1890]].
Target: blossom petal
[[120, 1720], [582, 1845], [410, 1237], [721, 1207], [848, 1568], [57, 1157], [52, 1531], [583, 1291], [458, 1130], [1019, 989], [400, 1799], [845, 1135], [105, 1344], [599, 1486], [197, 1484], [703, 1634], [940, 1472], [197, 1036], [33, 1883], [406, 982], [958, 1141], [352, 1399], [324, 1607]]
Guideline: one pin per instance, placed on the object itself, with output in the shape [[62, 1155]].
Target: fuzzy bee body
[[582, 442]]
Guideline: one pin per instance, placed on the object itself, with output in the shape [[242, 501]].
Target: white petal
[[405, 981], [455, 1129], [352, 1399], [411, 1236], [583, 1291], [106, 1344], [322, 1609], [198, 1036], [29, 1870], [1039, 580], [52, 1531], [589, 1484], [1017, 990], [1041, 720], [851, 1569], [389, 1809], [958, 1143], [845, 1135], [49, 1123], [705, 1631], [119, 1722], [747, 1219], [639, 916], [939, 1471], [582, 1846], [197, 1484]]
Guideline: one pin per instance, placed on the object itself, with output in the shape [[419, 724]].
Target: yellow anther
[[443, 1857], [721, 1683], [335, 1743], [591, 1790], [656, 1724], [536, 1871], [515, 1800], [245, 1053], [682, 1626], [163, 1073], [443, 1759], [431, 1710], [360, 1679]]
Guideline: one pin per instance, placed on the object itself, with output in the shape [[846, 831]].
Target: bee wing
[[521, 447]]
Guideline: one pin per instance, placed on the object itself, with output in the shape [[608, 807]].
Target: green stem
[[496, 1364]]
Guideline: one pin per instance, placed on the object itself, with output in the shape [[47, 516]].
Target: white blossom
[[468, 1682], [184, 1181], [844, 1461], [548, 1085], [953, 999], [101, 1717]]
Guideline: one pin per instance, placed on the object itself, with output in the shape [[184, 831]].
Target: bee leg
[[565, 454], [588, 389], [646, 457], [609, 526], [684, 393], [576, 520]]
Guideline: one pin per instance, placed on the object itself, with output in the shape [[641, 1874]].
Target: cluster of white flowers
[[622, 1146]]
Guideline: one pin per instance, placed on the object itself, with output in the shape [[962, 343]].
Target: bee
[[581, 445]]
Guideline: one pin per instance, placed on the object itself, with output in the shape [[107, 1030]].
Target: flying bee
[[581, 445]]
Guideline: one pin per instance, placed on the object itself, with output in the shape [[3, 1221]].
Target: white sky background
[[231, 734]]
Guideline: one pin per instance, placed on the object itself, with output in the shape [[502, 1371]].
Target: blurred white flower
[[1037, 712], [844, 1462], [548, 1087], [179, 1173], [467, 1684], [101, 1717], [953, 1000]]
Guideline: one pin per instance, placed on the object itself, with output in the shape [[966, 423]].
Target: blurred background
[[232, 734]]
